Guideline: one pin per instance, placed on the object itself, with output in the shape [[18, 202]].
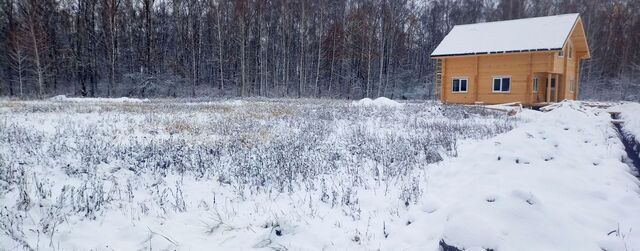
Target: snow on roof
[[529, 34]]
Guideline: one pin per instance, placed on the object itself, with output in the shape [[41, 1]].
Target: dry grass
[[180, 127], [217, 109], [12, 104], [273, 112]]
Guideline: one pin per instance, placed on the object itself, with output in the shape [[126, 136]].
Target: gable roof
[[519, 35]]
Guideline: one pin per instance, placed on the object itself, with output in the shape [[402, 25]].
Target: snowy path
[[630, 131], [556, 183], [630, 113]]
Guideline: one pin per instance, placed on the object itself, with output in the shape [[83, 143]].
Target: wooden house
[[533, 61]]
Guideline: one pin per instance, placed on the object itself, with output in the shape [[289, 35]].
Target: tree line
[[275, 48]]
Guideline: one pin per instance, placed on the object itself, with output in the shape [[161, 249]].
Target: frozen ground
[[311, 174]]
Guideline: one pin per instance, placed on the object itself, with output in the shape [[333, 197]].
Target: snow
[[236, 102], [63, 98], [534, 188], [630, 114], [540, 33], [511, 108], [555, 182], [380, 102]]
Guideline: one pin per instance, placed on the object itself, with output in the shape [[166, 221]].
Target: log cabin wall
[[480, 71]]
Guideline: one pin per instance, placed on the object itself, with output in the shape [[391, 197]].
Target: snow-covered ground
[[63, 98], [381, 101], [311, 175], [630, 114]]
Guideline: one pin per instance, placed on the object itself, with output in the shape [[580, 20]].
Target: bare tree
[[8, 26], [147, 6], [30, 14], [324, 48], [220, 46], [18, 61], [110, 14]]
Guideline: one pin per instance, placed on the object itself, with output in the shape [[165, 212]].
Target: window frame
[[572, 85], [536, 84], [493, 80], [561, 53], [570, 51], [466, 79]]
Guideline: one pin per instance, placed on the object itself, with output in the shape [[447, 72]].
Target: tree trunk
[[220, 49], [382, 49], [333, 59], [36, 51], [242, 57], [301, 83], [317, 90], [368, 88]]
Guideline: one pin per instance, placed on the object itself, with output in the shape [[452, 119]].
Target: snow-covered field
[[126, 174]]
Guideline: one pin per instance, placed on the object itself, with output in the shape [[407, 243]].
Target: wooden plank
[[527, 99], [564, 73], [438, 79], [444, 91], [548, 99], [511, 104], [577, 81], [476, 80], [556, 88]]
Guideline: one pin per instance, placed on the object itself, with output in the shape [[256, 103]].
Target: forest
[[347, 49]]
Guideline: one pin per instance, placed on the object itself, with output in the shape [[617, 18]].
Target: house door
[[553, 90]]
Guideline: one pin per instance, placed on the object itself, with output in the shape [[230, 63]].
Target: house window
[[501, 84], [572, 85], [460, 85], [535, 85], [561, 53]]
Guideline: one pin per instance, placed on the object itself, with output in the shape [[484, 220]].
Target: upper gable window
[[570, 51], [460, 85]]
